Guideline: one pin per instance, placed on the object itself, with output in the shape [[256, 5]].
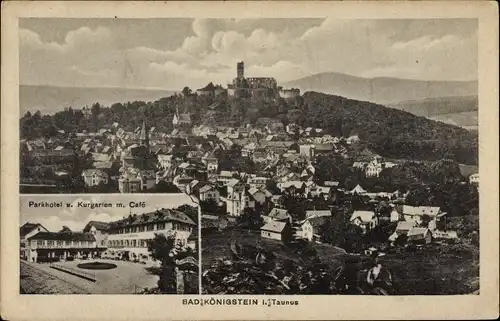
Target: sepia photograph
[[329, 156], [108, 244], [250, 160]]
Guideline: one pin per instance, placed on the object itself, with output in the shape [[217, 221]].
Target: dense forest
[[387, 131]]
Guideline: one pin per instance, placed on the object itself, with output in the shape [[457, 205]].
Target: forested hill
[[391, 132]]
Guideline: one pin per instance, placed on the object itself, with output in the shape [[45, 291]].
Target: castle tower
[[240, 68]]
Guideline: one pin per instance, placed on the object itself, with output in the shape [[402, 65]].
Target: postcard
[[249, 160]]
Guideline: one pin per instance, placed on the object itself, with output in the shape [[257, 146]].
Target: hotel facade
[[125, 239]]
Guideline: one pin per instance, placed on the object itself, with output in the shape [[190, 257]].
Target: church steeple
[[144, 136]]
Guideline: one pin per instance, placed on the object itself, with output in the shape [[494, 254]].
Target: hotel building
[[50, 246], [127, 238], [124, 239]]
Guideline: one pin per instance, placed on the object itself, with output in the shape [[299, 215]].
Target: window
[[161, 226], [59, 243], [150, 227], [140, 228]]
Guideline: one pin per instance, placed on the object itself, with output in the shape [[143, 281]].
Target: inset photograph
[[109, 244]]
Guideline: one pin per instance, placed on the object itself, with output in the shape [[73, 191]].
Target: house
[[367, 220], [373, 169], [192, 240], [318, 213], [182, 182], [129, 184], [401, 229], [225, 177], [165, 161], [181, 120], [294, 187], [395, 216], [419, 235], [26, 231], [238, 201], [209, 191], [234, 186], [418, 214], [323, 149], [277, 230], [48, 246], [310, 227], [277, 214], [474, 178], [352, 139], [331, 183], [261, 195], [317, 191], [99, 231], [358, 190], [192, 187], [257, 182], [211, 162], [94, 177]]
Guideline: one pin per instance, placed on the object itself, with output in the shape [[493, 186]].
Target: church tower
[[144, 136]]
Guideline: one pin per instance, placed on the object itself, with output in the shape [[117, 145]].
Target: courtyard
[[126, 278]]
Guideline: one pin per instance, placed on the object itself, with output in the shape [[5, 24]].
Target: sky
[[170, 53], [77, 217]]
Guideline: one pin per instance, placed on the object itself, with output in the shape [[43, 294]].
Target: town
[[260, 173]]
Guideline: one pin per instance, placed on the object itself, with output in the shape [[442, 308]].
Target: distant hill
[[437, 106], [390, 132], [382, 90], [467, 120], [458, 110], [50, 99]]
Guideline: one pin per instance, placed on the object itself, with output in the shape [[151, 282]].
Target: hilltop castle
[[257, 87]]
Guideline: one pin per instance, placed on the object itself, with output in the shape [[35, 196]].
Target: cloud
[[429, 42], [98, 57], [55, 224]]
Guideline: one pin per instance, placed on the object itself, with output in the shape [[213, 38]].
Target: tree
[[164, 187], [353, 238], [65, 229], [296, 206], [186, 91], [425, 221], [162, 248], [211, 206], [251, 218]]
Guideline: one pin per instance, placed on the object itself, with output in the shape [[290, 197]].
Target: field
[[445, 270], [216, 245], [436, 270]]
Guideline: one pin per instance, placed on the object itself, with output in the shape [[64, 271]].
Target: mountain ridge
[[382, 90], [50, 99]]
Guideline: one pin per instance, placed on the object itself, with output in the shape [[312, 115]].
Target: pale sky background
[[76, 217], [174, 52]]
